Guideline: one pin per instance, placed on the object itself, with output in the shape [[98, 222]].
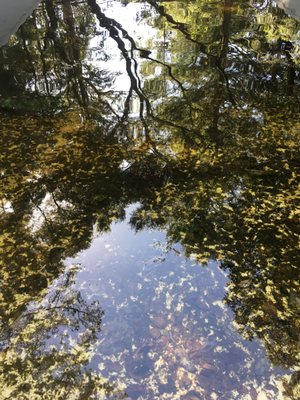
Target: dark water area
[[149, 216]]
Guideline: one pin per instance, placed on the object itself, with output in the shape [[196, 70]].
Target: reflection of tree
[[266, 304], [47, 66], [46, 350], [220, 175], [209, 53], [237, 203]]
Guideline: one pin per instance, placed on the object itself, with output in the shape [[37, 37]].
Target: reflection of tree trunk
[[291, 71], [42, 58], [70, 51], [51, 14], [52, 31], [222, 59], [291, 75], [73, 52], [214, 133], [227, 10], [68, 18]]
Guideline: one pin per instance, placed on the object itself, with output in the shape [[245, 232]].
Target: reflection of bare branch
[[114, 29], [221, 60], [47, 221], [63, 308], [99, 93], [59, 208]]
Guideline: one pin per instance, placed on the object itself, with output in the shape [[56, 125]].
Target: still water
[[149, 164]]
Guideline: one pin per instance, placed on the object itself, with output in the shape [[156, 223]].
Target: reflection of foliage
[[46, 349], [250, 218], [238, 201], [266, 304], [220, 175]]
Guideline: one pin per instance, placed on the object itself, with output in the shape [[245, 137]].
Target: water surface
[[149, 202]]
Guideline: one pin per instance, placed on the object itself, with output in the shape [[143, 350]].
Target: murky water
[[149, 201]]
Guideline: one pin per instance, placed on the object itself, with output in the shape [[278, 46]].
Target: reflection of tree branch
[[221, 60], [64, 308], [113, 27], [49, 223], [44, 69], [99, 93], [59, 208], [169, 68], [127, 106]]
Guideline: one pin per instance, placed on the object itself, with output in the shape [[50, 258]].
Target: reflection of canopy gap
[[113, 27]]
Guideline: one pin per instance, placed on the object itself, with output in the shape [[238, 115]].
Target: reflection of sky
[[141, 31], [12, 14], [292, 7], [166, 330]]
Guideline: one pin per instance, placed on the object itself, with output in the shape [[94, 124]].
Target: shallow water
[[149, 189]]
